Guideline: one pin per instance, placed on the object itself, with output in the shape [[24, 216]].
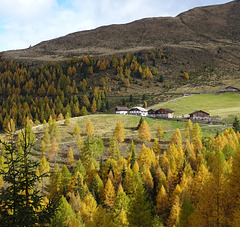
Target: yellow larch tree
[[88, 208], [94, 106], [156, 147], [89, 128], [119, 133], [162, 203], [53, 150], [70, 158], [196, 133], [188, 129], [160, 133], [76, 130], [147, 179], [109, 194], [176, 139], [174, 213], [144, 132], [146, 157]]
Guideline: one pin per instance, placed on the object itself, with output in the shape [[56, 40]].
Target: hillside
[[203, 41], [104, 126], [220, 104], [145, 62]]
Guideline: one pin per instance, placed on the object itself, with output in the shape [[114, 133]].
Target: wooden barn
[[199, 115], [164, 113], [121, 110], [152, 113]]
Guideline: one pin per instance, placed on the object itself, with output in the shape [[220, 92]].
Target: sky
[[28, 22]]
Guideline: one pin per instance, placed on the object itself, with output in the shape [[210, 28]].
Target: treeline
[[73, 88], [195, 182]]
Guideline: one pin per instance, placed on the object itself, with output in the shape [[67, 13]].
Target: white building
[[139, 111]]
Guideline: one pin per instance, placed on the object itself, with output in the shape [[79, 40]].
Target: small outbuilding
[[199, 115], [230, 89], [121, 110], [139, 111], [164, 113]]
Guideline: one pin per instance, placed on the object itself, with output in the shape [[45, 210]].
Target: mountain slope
[[209, 25]]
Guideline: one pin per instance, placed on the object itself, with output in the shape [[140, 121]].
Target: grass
[[104, 125], [219, 104]]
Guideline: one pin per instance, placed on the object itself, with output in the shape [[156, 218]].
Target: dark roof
[[152, 110], [167, 110], [121, 108], [198, 112], [230, 87]]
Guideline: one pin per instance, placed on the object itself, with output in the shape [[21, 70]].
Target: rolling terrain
[[203, 41], [222, 105]]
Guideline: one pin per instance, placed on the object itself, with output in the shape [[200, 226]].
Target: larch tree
[[70, 158], [140, 208], [89, 128], [177, 138], [44, 168], [160, 133], [132, 152], [79, 143], [114, 152], [65, 215], [109, 194], [156, 147], [76, 130], [94, 106], [174, 216], [188, 129], [144, 132], [119, 133], [53, 150], [88, 208], [196, 132], [162, 205]]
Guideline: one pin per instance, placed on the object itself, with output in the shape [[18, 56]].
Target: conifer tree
[[109, 194], [156, 147], [65, 215], [188, 129], [89, 128], [132, 151], [79, 143], [20, 200], [44, 168], [160, 133], [139, 213], [94, 106], [174, 216], [76, 130], [66, 179], [88, 208], [177, 138], [236, 125], [196, 132], [119, 133], [144, 132], [53, 150], [70, 158], [162, 203], [114, 152]]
